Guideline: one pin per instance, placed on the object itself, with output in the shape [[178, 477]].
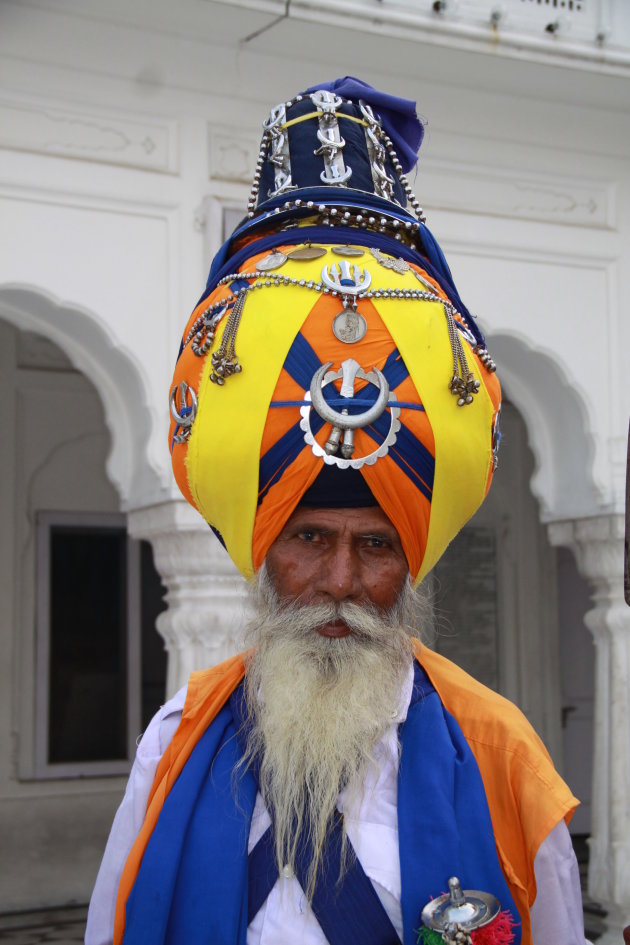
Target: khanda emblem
[[344, 424], [183, 413], [344, 280]]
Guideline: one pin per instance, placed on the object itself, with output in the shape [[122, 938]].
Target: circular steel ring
[[347, 421]]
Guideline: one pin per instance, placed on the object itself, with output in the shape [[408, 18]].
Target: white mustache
[[365, 621]]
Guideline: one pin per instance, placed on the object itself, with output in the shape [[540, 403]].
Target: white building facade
[[128, 138]]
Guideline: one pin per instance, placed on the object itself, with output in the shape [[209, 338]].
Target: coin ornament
[[349, 326], [389, 262], [272, 261], [307, 252], [347, 250]]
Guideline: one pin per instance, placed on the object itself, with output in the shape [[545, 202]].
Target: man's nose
[[340, 576]]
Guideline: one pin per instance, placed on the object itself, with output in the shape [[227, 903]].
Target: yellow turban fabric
[[306, 333]]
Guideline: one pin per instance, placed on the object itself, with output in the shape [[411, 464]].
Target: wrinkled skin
[[339, 555]]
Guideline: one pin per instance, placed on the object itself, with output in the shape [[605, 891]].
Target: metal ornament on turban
[[330, 354]]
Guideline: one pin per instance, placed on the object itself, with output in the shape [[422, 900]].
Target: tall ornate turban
[[330, 342]]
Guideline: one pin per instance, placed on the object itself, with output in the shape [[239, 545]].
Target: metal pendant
[[348, 250], [279, 154], [331, 144], [349, 326], [183, 414], [425, 282], [459, 912], [307, 252], [496, 439], [272, 261], [389, 262], [341, 438]]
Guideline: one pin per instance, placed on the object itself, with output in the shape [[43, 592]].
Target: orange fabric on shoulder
[[526, 795]]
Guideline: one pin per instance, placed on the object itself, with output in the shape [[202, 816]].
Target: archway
[[53, 469], [117, 377]]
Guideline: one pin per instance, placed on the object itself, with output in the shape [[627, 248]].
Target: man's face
[[341, 556]]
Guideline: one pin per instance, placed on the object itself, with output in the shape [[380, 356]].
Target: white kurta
[[372, 825]]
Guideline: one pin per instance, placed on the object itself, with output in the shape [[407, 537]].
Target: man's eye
[[376, 541], [308, 535]]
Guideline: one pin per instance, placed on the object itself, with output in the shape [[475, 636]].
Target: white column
[[598, 547], [207, 597]]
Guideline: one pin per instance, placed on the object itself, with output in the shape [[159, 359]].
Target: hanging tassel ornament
[[463, 384], [428, 937], [498, 932], [224, 359]]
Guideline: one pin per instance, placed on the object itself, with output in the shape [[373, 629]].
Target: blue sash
[[192, 886]]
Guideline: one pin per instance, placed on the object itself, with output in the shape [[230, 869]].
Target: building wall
[[55, 444]]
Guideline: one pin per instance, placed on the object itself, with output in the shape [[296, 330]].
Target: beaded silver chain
[[225, 362], [411, 197], [405, 231], [224, 359]]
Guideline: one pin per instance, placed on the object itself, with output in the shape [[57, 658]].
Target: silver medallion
[[272, 261], [348, 250], [389, 262], [349, 326], [307, 252]]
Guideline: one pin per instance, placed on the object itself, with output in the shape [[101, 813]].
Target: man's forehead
[[361, 520]]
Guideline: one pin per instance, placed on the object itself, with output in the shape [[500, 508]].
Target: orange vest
[[526, 796]]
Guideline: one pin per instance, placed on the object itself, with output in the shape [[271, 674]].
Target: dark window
[[88, 644], [101, 664], [152, 645]]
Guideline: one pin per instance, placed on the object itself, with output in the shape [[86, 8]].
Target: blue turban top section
[[398, 115]]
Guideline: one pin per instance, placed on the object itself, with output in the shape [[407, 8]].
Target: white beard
[[320, 705]]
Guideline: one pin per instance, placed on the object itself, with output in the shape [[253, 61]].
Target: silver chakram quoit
[[346, 280], [184, 414], [344, 424]]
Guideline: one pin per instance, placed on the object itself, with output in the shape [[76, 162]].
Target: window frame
[[42, 768]]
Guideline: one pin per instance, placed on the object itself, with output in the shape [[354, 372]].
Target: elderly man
[[330, 783]]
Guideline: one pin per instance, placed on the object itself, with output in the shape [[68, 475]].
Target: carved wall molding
[[89, 135], [231, 154], [452, 185]]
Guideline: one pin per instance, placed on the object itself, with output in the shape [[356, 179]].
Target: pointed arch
[[565, 480], [117, 378]]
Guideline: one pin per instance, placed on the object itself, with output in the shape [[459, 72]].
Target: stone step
[[63, 926]]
